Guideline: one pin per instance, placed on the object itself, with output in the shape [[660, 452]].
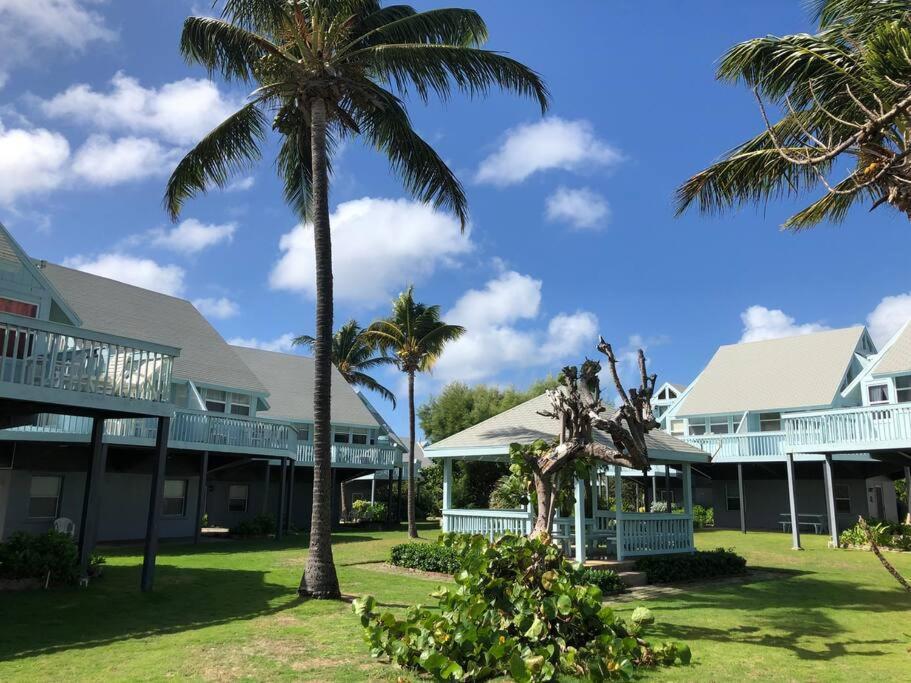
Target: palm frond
[[448, 26], [224, 48], [832, 206], [363, 380], [261, 16], [304, 340]]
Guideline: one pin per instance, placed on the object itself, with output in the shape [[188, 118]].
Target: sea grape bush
[[428, 557], [702, 564], [892, 535], [518, 609]]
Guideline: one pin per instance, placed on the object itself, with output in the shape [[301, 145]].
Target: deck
[[845, 430]]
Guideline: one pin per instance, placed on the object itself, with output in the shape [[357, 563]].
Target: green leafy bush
[[607, 580], [520, 610], [33, 556], [702, 564], [892, 535], [703, 516], [261, 525], [509, 493], [428, 557], [365, 511]]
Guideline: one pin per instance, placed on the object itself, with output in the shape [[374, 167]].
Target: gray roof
[[776, 374], [113, 307], [897, 356], [289, 379], [523, 424]]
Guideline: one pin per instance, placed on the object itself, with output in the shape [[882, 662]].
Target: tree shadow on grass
[[112, 609], [183, 547]]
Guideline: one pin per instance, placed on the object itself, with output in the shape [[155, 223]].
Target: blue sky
[[572, 232]]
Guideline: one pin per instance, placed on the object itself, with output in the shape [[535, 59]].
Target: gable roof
[[289, 379], [523, 424], [896, 356], [775, 374], [116, 308]]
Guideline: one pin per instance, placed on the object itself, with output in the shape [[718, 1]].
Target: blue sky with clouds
[[572, 230]]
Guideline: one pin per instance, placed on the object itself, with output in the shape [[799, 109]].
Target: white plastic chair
[[65, 525]]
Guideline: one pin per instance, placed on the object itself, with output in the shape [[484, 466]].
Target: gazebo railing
[[645, 533], [490, 523]]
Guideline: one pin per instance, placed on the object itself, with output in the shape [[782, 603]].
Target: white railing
[[354, 455], [844, 429], [36, 354], [642, 533], [744, 445], [490, 523]]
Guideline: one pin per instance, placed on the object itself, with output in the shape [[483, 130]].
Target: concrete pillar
[[792, 500], [156, 501], [201, 494], [91, 500], [579, 520], [743, 511], [828, 477]]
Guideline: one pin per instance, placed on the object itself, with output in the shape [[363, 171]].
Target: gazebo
[[592, 527]]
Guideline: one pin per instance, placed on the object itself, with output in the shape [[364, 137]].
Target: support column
[[579, 520], [654, 485], [688, 500], [266, 483], [667, 487], [91, 500], [373, 490], [830, 499], [447, 490], [908, 495], [389, 515], [792, 499], [743, 514], [282, 500], [618, 507], [289, 515], [156, 500], [398, 505], [201, 494]]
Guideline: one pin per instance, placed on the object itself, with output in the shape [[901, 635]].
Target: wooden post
[[654, 485], [389, 515], [282, 499], [156, 500], [667, 487], [618, 507], [828, 478], [91, 500], [398, 505], [743, 517], [688, 499], [579, 520], [289, 517], [266, 484], [447, 490], [201, 494], [792, 499], [908, 495]]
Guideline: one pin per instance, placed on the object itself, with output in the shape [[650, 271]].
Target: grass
[[228, 610]]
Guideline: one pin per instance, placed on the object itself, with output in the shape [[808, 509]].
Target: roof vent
[[42, 264]]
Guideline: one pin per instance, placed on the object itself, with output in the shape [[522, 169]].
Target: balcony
[[756, 445], [354, 455], [847, 430], [49, 364]]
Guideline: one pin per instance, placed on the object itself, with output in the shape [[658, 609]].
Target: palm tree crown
[[354, 354], [844, 95]]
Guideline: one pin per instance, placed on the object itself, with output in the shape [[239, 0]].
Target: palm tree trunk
[[319, 579], [412, 523]]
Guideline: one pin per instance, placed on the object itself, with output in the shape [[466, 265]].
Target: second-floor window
[[903, 389], [719, 425], [678, 427], [359, 435], [697, 427], [226, 402], [341, 437], [769, 422], [878, 393]]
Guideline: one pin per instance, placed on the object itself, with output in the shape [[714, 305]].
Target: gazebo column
[[688, 499], [654, 485], [830, 498], [579, 519], [743, 517], [373, 490], [792, 500], [447, 490], [618, 508]]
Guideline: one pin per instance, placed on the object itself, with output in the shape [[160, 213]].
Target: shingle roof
[[896, 358], [776, 374], [109, 306], [522, 424], [289, 379]]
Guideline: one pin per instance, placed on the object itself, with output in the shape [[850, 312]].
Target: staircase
[[625, 569]]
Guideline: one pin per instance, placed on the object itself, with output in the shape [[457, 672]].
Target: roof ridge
[[794, 336]]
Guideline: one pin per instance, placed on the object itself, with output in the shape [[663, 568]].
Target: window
[[359, 436], [175, 498], [240, 404], [226, 402], [44, 497], [719, 425], [18, 308], [903, 389], [878, 393], [732, 494], [678, 427], [237, 497], [697, 427], [216, 401], [842, 498], [303, 434], [769, 422], [341, 437]]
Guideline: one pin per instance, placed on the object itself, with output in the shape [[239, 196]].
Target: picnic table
[[817, 522]]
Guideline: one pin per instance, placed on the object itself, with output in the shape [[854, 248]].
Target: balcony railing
[[47, 362], [354, 455], [744, 445], [848, 429]]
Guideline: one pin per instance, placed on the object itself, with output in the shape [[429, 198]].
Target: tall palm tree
[[325, 70], [844, 97], [354, 354], [416, 336]]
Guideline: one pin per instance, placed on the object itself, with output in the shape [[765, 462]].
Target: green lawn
[[228, 610]]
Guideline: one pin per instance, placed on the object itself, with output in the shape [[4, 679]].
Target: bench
[[816, 522]]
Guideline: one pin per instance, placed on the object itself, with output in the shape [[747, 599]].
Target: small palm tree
[[416, 336], [326, 70], [844, 94], [354, 354]]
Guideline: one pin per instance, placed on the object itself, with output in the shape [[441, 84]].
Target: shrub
[[607, 580], [658, 506], [892, 535], [34, 556], [428, 557], [261, 525], [518, 610], [509, 493], [703, 516], [365, 511], [702, 564]]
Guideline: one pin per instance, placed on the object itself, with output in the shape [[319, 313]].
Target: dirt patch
[[386, 568]]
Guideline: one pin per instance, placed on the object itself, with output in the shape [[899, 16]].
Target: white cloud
[[241, 184], [219, 309], [29, 28], [141, 272], [544, 145], [192, 236], [378, 247], [582, 208], [31, 162], [181, 112], [281, 343], [103, 161], [761, 323], [888, 316], [493, 342]]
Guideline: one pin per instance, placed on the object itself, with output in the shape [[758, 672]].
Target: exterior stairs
[[625, 569]]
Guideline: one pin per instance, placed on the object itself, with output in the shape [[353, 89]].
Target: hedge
[[51, 556], [428, 557], [702, 564], [607, 580], [261, 525]]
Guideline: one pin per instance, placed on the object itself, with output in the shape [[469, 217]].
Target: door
[[875, 505]]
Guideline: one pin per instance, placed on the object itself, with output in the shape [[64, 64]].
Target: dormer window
[[877, 394], [903, 389], [226, 402], [22, 308], [769, 422]]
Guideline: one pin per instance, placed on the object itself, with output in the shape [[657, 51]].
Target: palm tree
[[326, 70], [844, 95], [354, 354], [416, 336]]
